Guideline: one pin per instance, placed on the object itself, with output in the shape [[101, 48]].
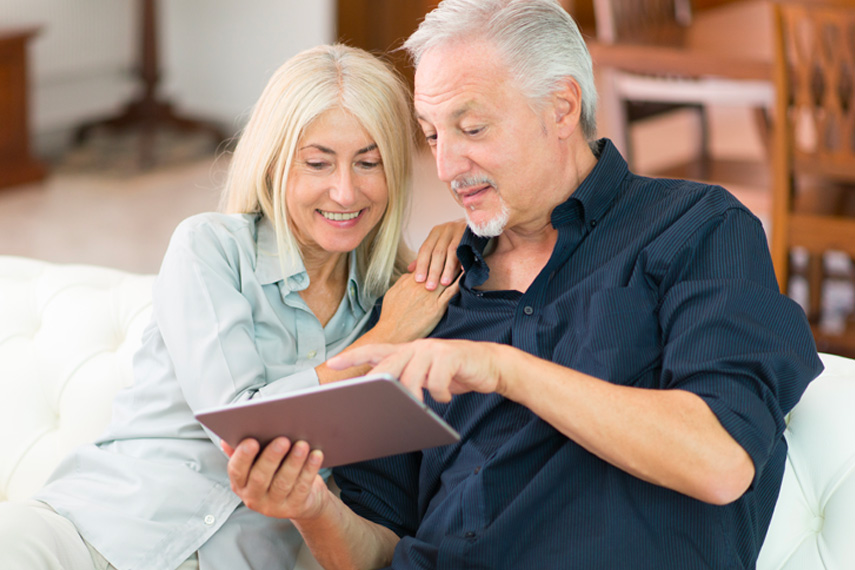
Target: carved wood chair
[[814, 152], [628, 97]]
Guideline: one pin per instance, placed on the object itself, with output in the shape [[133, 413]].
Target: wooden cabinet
[[381, 26], [17, 166]]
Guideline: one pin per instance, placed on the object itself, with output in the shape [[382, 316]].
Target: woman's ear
[[567, 105]]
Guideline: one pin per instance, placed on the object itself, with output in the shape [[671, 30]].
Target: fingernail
[[431, 285], [420, 277]]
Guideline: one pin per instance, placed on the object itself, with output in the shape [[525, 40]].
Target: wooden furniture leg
[[148, 113]]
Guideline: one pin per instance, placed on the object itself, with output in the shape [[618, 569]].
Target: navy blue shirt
[[661, 284]]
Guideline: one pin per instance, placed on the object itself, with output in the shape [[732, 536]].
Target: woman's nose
[[343, 190]]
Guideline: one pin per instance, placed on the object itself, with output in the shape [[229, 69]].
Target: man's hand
[[282, 481], [443, 367]]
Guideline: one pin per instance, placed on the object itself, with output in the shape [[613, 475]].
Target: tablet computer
[[352, 420]]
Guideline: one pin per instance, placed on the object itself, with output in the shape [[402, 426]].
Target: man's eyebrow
[[455, 115]]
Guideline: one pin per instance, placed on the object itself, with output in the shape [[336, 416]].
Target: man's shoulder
[[682, 197]]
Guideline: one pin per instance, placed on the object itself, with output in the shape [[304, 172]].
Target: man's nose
[[450, 161]]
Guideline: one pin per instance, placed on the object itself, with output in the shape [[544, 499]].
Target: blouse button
[[312, 354], [209, 520]]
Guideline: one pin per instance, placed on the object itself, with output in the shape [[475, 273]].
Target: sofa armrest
[[813, 526], [67, 337]]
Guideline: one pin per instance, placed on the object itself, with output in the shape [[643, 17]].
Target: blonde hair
[[304, 87]]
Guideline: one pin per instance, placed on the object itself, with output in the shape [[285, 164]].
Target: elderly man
[[624, 359]]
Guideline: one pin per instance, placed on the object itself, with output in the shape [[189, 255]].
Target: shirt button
[[528, 310], [470, 534], [312, 354], [209, 520], [477, 470]]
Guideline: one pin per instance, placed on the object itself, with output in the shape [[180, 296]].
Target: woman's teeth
[[339, 216]]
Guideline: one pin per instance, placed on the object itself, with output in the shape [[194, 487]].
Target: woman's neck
[[327, 284]]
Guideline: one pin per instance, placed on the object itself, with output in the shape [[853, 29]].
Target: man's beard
[[492, 227]]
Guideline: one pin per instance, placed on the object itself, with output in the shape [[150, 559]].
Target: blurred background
[[116, 116]]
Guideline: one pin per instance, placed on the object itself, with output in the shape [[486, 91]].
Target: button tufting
[[816, 523]]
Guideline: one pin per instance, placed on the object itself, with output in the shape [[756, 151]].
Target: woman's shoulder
[[201, 232], [217, 226], [218, 223]]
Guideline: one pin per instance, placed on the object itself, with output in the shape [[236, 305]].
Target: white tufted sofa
[[67, 334]]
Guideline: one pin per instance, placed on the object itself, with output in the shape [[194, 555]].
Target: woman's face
[[336, 191]]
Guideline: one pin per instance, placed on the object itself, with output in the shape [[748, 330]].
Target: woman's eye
[[369, 164], [316, 164], [431, 139]]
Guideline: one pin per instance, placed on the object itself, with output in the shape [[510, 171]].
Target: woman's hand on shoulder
[[410, 310], [436, 262]]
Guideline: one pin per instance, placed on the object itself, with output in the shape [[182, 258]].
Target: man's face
[[496, 154]]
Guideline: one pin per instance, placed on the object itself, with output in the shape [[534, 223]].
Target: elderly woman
[[249, 303]]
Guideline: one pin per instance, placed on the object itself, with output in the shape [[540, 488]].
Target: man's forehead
[[458, 81]]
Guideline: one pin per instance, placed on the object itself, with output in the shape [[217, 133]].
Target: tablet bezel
[[352, 420]]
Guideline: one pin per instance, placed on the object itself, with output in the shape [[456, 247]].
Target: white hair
[[540, 41]]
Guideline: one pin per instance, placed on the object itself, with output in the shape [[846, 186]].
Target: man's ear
[[567, 105]]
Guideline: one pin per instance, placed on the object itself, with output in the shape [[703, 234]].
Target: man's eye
[[473, 132], [431, 139]]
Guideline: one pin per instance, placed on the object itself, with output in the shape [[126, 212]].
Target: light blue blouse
[[228, 325]]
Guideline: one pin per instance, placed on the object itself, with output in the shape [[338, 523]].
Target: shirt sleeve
[[206, 318], [730, 336]]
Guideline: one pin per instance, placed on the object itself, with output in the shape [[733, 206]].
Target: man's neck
[[520, 253], [515, 259]]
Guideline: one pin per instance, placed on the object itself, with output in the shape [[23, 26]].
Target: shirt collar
[[595, 195], [293, 276], [589, 202]]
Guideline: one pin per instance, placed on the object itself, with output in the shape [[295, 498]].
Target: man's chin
[[488, 228]]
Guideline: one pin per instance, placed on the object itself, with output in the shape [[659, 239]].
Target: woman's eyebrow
[[369, 148], [325, 150]]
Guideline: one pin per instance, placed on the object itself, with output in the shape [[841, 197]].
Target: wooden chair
[[813, 204], [628, 97]]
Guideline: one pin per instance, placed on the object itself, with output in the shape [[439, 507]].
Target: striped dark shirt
[[661, 284]]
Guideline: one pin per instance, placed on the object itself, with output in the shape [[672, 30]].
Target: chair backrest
[[625, 19], [814, 152], [814, 125], [815, 69]]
